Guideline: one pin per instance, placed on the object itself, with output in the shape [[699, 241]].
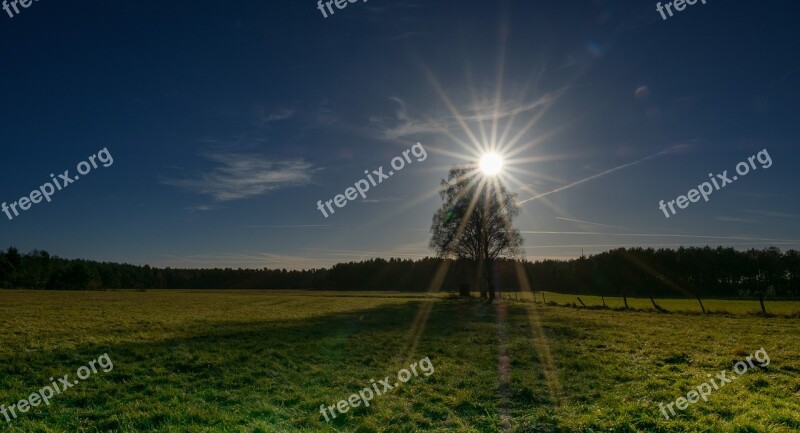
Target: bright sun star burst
[[491, 163]]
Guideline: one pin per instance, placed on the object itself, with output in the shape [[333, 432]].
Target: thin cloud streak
[[609, 171], [405, 125], [263, 118], [772, 214], [529, 232], [730, 219], [596, 224], [251, 261], [640, 244], [240, 176], [291, 226]]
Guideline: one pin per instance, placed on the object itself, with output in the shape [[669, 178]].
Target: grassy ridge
[[265, 361]]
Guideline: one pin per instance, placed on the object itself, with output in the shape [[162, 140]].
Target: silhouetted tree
[[475, 223]]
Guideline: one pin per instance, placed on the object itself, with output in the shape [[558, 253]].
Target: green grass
[[265, 361]]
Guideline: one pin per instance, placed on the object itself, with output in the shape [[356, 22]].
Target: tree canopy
[[474, 223]]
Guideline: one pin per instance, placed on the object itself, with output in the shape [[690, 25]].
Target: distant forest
[[633, 272]]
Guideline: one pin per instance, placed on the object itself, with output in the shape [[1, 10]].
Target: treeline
[[633, 272], [685, 272]]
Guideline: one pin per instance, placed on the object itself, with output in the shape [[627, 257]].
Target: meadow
[[258, 361]]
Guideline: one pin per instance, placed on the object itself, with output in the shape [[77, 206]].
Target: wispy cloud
[[202, 208], [254, 260], [657, 235], [489, 110], [300, 226], [381, 200], [772, 214], [600, 247], [323, 115], [405, 124], [410, 250], [731, 219], [413, 128], [240, 176], [263, 117]]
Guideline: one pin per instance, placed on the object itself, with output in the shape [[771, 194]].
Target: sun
[[491, 163]]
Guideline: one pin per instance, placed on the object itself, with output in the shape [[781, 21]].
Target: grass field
[[188, 361]]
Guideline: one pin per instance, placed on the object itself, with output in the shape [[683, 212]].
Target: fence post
[[701, 304], [655, 305]]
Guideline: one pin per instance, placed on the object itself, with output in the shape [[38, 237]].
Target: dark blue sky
[[228, 121]]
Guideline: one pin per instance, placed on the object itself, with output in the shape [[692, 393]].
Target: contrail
[[289, 226], [596, 224], [532, 232], [611, 170]]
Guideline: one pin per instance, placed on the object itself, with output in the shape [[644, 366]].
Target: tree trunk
[[761, 300], [625, 298], [490, 287], [479, 279], [489, 275], [701, 304]]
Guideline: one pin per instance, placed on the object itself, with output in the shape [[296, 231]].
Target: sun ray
[[450, 106], [475, 104], [501, 61], [539, 341], [486, 179]]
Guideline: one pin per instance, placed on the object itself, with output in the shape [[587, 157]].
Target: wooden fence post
[[658, 308], [701, 304]]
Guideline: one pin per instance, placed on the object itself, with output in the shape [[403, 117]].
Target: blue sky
[[228, 121]]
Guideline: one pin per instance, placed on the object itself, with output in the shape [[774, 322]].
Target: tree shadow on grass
[[273, 376]]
